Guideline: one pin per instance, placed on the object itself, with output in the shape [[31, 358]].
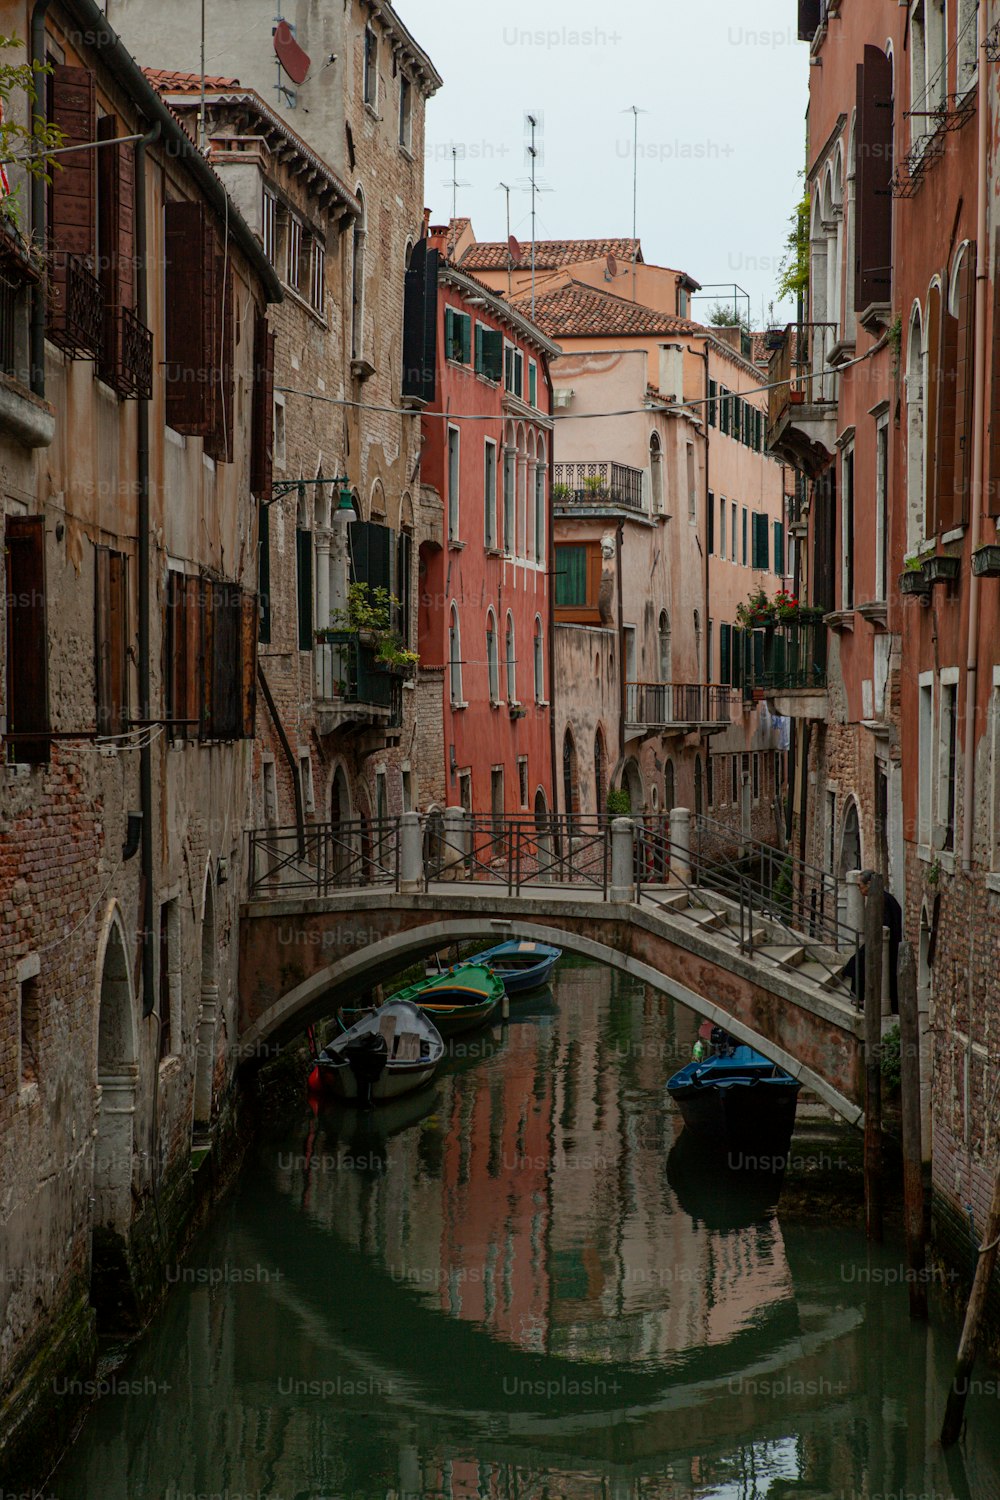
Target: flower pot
[[914, 581], [796, 398], [368, 637], [986, 561], [758, 695], [941, 569]]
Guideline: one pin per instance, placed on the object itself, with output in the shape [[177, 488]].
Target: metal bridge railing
[[324, 858]]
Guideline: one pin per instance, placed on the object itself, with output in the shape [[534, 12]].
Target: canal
[[525, 1282]]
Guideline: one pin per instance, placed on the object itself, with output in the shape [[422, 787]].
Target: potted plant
[[619, 802], [786, 606], [561, 492], [756, 611], [369, 615], [941, 568], [913, 580], [595, 486], [986, 561]]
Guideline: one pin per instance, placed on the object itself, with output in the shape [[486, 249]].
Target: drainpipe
[[622, 691], [37, 329], [145, 591], [978, 445]]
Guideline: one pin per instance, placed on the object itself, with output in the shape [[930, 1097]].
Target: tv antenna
[[510, 263], [635, 112], [454, 183], [534, 122]]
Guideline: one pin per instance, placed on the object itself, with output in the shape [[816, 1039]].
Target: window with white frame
[[509, 497], [847, 527], [513, 368], [967, 48], [925, 772], [510, 654], [371, 67], [269, 226], [405, 112], [492, 659], [539, 661], [722, 527], [882, 508], [454, 482], [490, 495], [692, 485], [293, 253], [317, 276], [540, 531], [948, 759], [928, 66], [732, 531], [455, 658]]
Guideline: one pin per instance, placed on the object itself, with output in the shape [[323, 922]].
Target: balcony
[[802, 404], [790, 666], [76, 308], [598, 487], [352, 688], [127, 359], [677, 707]]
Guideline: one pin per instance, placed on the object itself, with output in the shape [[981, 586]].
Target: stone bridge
[[311, 941]]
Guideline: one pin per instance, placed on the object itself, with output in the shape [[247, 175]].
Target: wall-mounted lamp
[[452, 760], [133, 836]]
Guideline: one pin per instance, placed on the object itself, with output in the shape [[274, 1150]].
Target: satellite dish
[[295, 62], [513, 250], [612, 268]]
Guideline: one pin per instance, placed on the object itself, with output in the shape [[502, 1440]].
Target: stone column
[[338, 554], [680, 844], [746, 809], [543, 842], [411, 854], [622, 859], [855, 914], [323, 550], [456, 844]]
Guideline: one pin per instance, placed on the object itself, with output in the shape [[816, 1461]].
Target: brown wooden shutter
[[249, 622], [873, 173], [965, 383], [115, 245], [206, 659], [111, 640], [220, 443], [27, 638], [71, 196], [932, 403], [943, 506], [191, 319], [191, 706], [262, 450], [994, 481]]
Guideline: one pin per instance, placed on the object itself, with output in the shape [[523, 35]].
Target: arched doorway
[[571, 783], [850, 841], [117, 1077], [204, 1071], [541, 812], [600, 771], [632, 782], [340, 818], [699, 787]]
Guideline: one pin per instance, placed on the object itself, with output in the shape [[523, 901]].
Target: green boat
[[459, 999]]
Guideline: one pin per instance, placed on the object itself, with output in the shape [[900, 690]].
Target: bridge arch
[[365, 966]]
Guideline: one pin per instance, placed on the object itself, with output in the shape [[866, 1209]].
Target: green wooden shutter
[[479, 348], [493, 354], [304, 557], [465, 330], [449, 333], [713, 393], [533, 384], [711, 522], [571, 577], [725, 654], [779, 547]]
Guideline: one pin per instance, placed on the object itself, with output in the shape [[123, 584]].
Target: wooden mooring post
[[958, 1395], [874, 911], [913, 1167]]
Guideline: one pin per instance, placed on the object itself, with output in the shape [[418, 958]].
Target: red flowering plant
[[756, 611], [786, 606]]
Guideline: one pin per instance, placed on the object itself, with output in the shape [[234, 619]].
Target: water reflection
[[526, 1282]]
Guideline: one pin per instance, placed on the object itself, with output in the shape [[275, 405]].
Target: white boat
[[391, 1052]]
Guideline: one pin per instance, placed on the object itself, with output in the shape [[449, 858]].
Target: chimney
[[672, 371]]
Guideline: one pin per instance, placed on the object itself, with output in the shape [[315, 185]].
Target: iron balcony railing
[[662, 704], [9, 296], [791, 655], [127, 360], [76, 308], [798, 372], [597, 484], [349, 674]]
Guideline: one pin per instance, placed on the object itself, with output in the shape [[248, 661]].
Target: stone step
[[675, 901], [786, 954], [819, 973]]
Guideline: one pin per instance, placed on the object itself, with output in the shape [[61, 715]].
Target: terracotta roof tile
[[166, 82], [550, 255], [575, 310]]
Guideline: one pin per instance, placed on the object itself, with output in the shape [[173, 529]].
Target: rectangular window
[[405, 112], [191, 298], [724, 410], [269, 226], [27, 640], [711, 522], [29, 998], [713, 393], [571, 577], [293, 253], [710, 652], [304, 587], [317, 277], [734, 779], [509, 497], [540, 529], [882, 509], [454, 472], [522, 778], [722, 528], [170, 979], [490, 496], [779, 547], [111, 640], [948, 756], [457, 336], [732, 531], [371, 67], [726, 654], [744, 535], [847, 527], [532, 383], [489, 353], [926, 758], [513, 370], [692, 485]]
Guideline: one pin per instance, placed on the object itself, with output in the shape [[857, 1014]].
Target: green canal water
[[526, 1283]]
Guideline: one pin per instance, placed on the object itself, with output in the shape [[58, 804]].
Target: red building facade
[[485, 615]]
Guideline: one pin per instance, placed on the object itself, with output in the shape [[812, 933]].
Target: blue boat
[[521, 964], [739, 1099]]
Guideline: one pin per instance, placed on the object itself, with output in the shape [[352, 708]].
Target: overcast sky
[[723, 85]]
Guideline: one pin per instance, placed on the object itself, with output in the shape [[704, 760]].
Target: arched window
[[668, 787], [526, 536], [968, 44], [570, 798], [541, 500], [656, 474], [666, 652], [358, 282], [699, 791], [455, 658], [600, 769], [510, 656], [492, 657], [932, 372], [509, 491], [915, 430], [539, 661], [521, 493]]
